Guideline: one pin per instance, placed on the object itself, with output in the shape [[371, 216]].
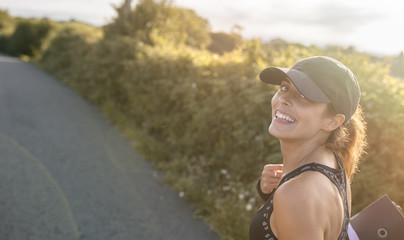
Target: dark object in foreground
[[382, 219]]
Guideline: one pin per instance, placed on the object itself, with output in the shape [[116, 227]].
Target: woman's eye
[[284, 88]]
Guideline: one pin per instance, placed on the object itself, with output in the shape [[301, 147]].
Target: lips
[[284, 117]]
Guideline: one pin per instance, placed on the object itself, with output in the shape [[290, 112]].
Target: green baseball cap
[[320, 79]]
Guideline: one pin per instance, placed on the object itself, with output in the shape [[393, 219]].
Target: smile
[[284, 117]]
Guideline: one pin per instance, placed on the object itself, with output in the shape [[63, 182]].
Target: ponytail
[[349, 142]]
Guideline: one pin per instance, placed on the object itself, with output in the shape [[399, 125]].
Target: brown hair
[[349, 141]]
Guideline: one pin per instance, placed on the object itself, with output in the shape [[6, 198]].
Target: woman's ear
[[334, 122]]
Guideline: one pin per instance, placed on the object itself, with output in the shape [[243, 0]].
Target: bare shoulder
[[304, 192], [303, 204], [305, 186]]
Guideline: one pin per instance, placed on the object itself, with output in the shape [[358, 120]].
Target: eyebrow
[[286, 79]]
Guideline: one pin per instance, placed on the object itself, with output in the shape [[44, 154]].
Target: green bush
[[3, 43], [224, 42], [68, 48], [397, 66], [7, 24], [28, 37]]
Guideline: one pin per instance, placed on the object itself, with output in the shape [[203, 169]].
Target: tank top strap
[[338, 177]]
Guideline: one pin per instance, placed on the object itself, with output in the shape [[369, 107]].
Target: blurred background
[[179, 79], [369, 26]]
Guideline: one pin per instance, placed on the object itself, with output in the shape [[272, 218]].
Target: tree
[[6, 23], [277, 44], [151, 21], [28, 37], [224, 42], [397, 66], [237, 29], [184, 26], [139, 22], [127, 8]]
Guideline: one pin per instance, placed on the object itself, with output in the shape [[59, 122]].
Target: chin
[[272, 131], [278, 133]]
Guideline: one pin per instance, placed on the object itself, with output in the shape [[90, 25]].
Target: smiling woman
[[305, 113], [317, 119]]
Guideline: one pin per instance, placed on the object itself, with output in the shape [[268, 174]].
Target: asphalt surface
[[66, 173]]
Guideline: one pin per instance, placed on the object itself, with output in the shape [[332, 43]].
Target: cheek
[[274, 101], [311, 118]]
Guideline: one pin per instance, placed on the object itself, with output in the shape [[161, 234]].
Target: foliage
[[184, 26], [152, 21], [397, 67], [28, 37], [224, 42], [68, 48], [7, 25], [139, 22], [202, 118]]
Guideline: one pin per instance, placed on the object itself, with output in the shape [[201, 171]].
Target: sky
[[371, 26]]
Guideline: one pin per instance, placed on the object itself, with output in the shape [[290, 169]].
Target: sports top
[[260, 228]]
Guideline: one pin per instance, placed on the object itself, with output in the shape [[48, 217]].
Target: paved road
[[65, 173]]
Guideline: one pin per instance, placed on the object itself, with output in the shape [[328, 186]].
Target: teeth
[[284, 117]]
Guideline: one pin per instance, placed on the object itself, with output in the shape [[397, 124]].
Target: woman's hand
[[270, 177]]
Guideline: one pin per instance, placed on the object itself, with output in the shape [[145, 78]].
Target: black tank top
[[260, 228]]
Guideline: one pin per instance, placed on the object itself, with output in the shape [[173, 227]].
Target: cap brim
[[302, 82]]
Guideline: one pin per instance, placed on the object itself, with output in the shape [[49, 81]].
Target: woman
[[317, 119]]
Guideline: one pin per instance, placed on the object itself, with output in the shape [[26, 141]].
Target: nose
[[285, 100]]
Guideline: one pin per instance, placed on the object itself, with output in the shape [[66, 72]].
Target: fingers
[[270, 177], [273, 167], [272, 170], [267, 187]]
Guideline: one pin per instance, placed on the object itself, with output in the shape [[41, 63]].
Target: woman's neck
[[297, 154]]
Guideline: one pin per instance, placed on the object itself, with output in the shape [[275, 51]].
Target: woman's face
[[294, 117]]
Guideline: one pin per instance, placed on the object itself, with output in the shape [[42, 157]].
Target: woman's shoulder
[[312, 185], [309, 190], [302, 203]]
